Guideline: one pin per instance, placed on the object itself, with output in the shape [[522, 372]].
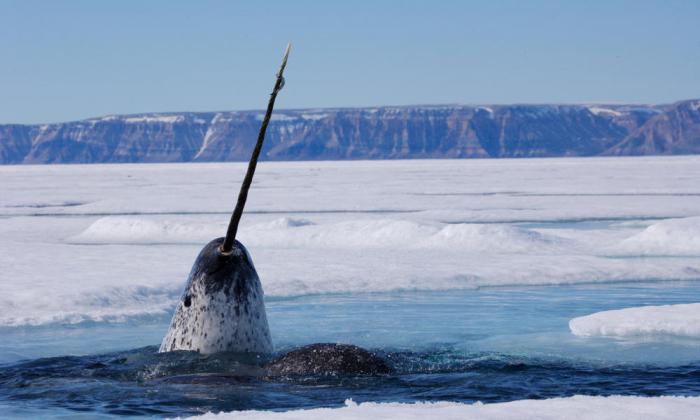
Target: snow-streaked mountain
[[449, 131]]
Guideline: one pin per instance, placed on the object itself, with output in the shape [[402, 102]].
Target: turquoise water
[[517, 320], [489, 344]]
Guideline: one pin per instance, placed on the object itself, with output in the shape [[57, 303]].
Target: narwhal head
[[222, 308], [214, 271]]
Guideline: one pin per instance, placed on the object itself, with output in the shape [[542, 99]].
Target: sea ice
[[107, 242], [668, 237], [574, 408], [678, 320]]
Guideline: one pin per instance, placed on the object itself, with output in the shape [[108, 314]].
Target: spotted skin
[[222, 308], [328, 359]]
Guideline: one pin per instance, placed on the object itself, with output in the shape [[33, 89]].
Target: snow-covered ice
[[108, 242], [114, 244], [295, 233], [678, 320], [668, 237], [576, 407]]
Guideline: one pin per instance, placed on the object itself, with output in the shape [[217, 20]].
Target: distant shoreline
[[372, 133]]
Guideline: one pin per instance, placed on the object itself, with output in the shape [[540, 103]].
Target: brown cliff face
[[675, 131], [364, 133]]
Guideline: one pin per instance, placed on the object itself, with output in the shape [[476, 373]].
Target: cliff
[[364, 133]]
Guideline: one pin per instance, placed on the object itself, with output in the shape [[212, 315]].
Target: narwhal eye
[[188, 301]]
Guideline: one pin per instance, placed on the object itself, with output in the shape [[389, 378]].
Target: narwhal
[[222, 309]]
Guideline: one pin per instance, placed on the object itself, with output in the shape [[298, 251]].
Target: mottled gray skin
[[328, 360], [312, 361], [222, 308]]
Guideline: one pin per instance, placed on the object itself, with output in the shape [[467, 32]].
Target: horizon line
[[436, 105]]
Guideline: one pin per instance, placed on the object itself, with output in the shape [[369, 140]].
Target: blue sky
[[68, 60]]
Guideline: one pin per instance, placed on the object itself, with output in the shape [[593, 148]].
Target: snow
[[109, 242], [207, 138], [167, 119], [668, 237], [604, 111], [131, 230], [485, 108], [314, 117], [293, 233], [695, 105], [220, 117], [276, 117], [576, 407], [678, 320]]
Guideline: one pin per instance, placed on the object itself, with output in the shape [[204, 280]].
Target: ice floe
[[678, 320], [576, 407]]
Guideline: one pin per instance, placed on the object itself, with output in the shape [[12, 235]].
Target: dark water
[[489, 344], [142, 382]]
